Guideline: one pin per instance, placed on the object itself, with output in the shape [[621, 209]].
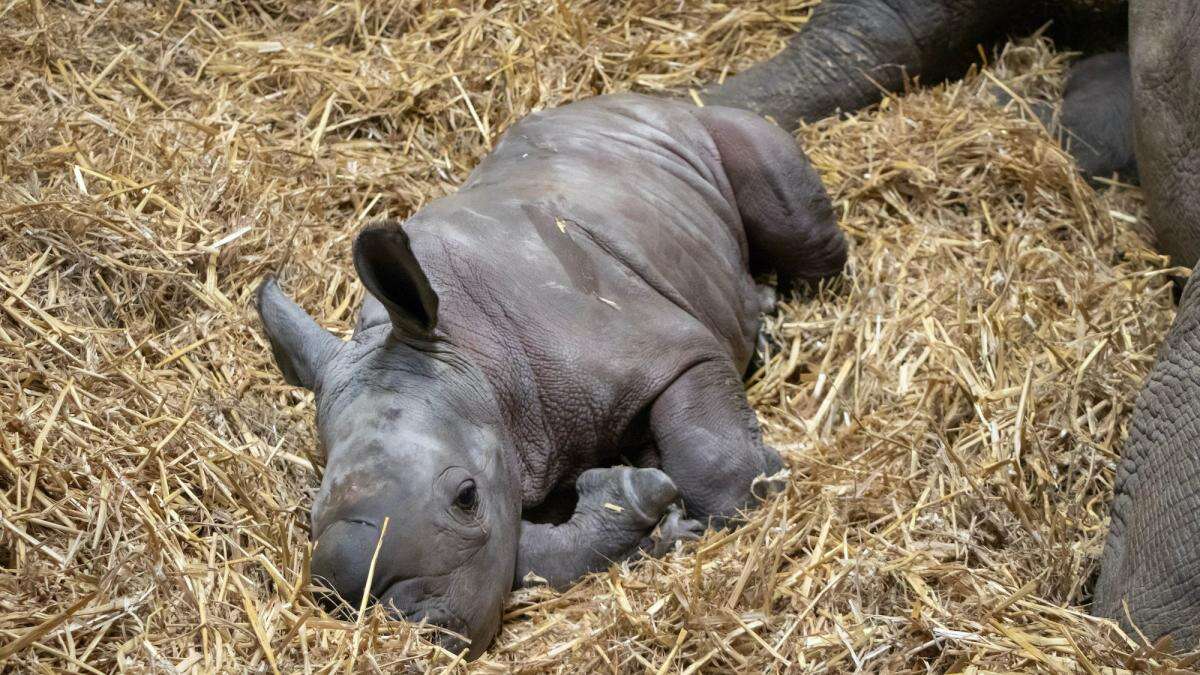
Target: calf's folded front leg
[[710, 444], [621, 511]]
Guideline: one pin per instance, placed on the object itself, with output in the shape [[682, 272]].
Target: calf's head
[[412, 438]]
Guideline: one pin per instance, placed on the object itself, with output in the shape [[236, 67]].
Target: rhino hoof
[[673, 528], [650, 492], [764, 486], [639, 495]]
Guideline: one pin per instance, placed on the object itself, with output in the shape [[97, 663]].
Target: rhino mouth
[[452, 630]]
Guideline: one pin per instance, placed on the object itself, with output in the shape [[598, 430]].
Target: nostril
[[341, 560]]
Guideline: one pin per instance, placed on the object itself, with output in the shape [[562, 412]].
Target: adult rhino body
[[586, 295], [1115, 107], [1150, 572]]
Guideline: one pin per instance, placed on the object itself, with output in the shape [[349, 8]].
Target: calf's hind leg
[[788, 218]]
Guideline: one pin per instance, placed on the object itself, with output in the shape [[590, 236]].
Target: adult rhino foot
[[1094, 121], [1097, 116]]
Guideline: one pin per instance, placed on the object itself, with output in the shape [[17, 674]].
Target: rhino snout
[[341, 563], [341, 560]]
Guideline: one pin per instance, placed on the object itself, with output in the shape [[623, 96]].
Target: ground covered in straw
[[951, 410]]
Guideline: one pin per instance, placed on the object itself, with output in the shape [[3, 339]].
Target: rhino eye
[[468, 497]]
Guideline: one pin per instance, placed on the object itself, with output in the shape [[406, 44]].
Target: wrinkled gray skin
[[852, 51], [1120, 115], [586, 296], [1150, 573], [1165, 50]]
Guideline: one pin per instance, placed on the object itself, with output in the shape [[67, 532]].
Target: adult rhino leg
[[1096, 122], [1165, 56], [1094, 119], [851, 51], [621, 511], [1150, 572], [710, 444]]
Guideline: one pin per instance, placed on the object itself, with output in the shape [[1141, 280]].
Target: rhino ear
[[300, 346], [389, 270]]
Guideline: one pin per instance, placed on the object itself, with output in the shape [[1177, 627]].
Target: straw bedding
[[951, 410]]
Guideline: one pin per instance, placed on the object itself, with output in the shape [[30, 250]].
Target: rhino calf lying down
[[587, 295]]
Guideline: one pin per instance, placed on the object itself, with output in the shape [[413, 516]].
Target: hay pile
[[951, 409]]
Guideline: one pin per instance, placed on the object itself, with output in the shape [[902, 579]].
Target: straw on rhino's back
[[641, 179]]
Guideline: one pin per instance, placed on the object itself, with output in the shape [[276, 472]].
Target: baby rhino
[[585, 299]]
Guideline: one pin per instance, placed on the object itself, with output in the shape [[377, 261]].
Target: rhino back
[[594, 256], [1151, 558]]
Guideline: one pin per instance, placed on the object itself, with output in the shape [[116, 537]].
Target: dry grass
[[951, 410]]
